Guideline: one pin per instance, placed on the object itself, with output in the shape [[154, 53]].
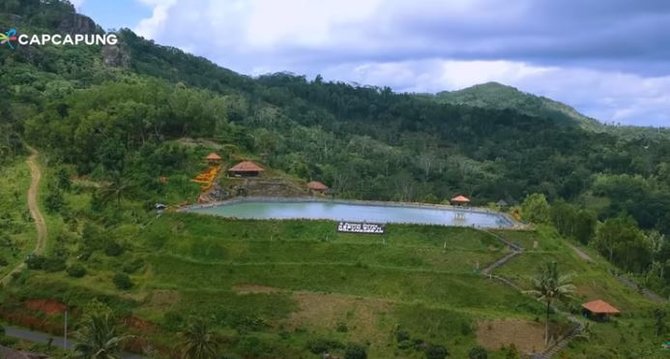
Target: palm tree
[[199, 342], [549, 285], [99, 339]]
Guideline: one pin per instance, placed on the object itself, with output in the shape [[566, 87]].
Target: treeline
[[619, 238]]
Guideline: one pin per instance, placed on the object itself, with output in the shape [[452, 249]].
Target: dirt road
[[33, 207]]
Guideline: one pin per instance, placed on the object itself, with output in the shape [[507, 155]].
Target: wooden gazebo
[[213, 158], [245, 169], [599, 310], [460, 200], [316, 186]]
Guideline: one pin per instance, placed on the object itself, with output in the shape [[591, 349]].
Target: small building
[[460, 200], [316, 186], [502, 204], [213, 158], [245, 169], [599, 310]]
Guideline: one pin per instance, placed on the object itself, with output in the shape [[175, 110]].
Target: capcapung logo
[[11, 37]]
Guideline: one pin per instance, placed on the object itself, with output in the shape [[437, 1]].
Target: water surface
[[356, 212]]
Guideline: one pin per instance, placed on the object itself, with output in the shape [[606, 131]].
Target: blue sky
[[609, 59]]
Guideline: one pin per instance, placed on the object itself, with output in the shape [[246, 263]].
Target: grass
[[313, 281], [17, 233]]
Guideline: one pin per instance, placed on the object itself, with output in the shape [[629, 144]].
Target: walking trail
[[33, 207]]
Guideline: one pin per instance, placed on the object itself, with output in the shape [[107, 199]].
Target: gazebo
[[213, 158], [599, 310], [316, 186], [245, 169], [460, 200]]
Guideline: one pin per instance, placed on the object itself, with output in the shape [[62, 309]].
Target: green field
[[17, 234], [271, 288]]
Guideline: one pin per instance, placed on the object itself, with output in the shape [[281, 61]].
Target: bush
[[478, 352], [323, 345], [54, 264], [355, 351], [436, 352], [401, 335], [342, 327], [122, 281], [133, 266], [76, 271], [113, 249], [35, 261]]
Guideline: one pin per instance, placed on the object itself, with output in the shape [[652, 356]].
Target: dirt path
[[580, 253], [33, 207]]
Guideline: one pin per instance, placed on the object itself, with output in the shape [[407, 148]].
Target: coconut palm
[[549, 285], [99, 339], [199, 342]]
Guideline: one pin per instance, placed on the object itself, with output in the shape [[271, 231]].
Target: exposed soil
[[325, 311], [164, 298], [46, 306], [254, 289], [527, 336]]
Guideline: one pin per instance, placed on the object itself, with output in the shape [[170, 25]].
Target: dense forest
[[113, 114]]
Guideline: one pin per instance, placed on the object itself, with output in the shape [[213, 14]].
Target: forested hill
[[114, 113], [497, 96]]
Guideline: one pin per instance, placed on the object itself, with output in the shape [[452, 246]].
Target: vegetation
[[550, 286], [99, 339], [116, 139]]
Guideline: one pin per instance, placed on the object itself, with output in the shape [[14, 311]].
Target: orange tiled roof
[[246, 166], [213, 157], [460, 198], [600, 307], [317, 186]]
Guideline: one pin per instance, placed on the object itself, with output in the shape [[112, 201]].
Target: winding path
[[34, 208]]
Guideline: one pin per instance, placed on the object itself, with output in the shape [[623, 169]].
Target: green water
[[373, 213]]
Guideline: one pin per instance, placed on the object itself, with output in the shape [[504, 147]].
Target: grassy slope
[[631, 335], [21, 232], [307, 279]]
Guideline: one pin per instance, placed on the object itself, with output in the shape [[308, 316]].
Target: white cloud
[[418, 46], [608, 96], [151, 26]]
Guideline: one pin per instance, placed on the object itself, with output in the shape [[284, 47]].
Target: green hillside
[[501, 97], [119, 129]]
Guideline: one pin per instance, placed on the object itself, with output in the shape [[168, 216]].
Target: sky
[[610, 59]]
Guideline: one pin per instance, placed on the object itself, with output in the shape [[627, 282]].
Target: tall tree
[[549, 286]]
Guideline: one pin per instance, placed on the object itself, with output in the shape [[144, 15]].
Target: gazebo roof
[[246, 166], [460, 198], [213, 157], [317, 186], [502, 203], [599, 306]]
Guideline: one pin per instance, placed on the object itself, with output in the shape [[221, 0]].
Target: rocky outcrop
[[115, 56], [79, 24]]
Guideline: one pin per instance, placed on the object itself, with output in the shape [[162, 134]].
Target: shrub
[[76, 271], [113, 249], [478, 352], [122, 281], [342, 327], [436, 352], [3, 262], [35, 261], [323, 345], [355, 351], [401, 335]]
